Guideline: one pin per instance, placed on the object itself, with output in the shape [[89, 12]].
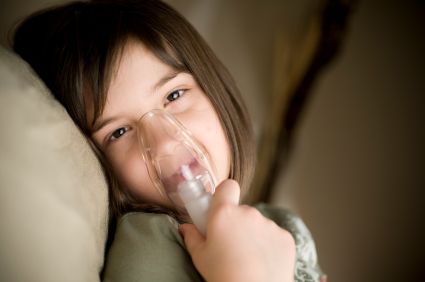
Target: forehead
[[136, 67], [134, 70], [137, 71]]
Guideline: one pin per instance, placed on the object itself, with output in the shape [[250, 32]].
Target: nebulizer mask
[[177, 165]]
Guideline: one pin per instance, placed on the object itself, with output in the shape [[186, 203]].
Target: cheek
[[130, 169], [208, 131]]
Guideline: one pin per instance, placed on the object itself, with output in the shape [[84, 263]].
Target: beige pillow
[[53, 196]]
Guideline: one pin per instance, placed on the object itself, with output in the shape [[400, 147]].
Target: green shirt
[[148, 247]]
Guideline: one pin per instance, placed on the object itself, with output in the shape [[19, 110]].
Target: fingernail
[[181, 230]]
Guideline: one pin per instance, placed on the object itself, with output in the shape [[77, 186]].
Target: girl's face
[[143, 83]]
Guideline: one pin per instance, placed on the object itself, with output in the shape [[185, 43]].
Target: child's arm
[[240, 244]]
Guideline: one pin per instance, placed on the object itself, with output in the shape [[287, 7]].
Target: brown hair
[[74, 49]]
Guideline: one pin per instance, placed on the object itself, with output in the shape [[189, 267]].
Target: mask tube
[[177, 165]]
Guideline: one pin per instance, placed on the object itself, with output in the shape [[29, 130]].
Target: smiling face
[[143, 83]]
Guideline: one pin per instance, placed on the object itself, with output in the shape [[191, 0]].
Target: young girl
[[111, 62]]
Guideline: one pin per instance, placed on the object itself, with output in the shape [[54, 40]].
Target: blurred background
[[354, 165]]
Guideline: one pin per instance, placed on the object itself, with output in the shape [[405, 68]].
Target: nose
[[157, 133], [162, 142]]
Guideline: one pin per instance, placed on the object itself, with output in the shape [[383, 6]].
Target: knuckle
[[287, 239], [252, 213], [221, 211]]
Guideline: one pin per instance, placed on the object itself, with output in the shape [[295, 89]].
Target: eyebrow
[[98, 125], [163, 80]]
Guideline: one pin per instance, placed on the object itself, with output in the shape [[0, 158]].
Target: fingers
[[228, 192], [192, 238]]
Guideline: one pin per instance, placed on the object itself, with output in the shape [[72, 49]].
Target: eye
[[118, 133], [175, 95]]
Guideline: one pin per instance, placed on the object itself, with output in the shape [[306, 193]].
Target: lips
[[171, 183]]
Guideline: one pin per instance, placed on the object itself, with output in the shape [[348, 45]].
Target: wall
[[357, 174]]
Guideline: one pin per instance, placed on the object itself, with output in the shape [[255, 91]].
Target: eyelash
[[121, 131], [175, 95]]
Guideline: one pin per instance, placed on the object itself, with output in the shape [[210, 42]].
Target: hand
[[240, 244]]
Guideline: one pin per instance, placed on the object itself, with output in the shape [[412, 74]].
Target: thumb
[[228, 192], [192, 238]]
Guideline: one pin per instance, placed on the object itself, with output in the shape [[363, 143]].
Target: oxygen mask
[[177, 165]]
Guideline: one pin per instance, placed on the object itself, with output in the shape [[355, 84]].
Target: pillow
[[54, 208]]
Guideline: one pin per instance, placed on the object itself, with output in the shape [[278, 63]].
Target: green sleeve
[[148, 247]]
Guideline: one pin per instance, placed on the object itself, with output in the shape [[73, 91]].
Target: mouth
[[171, 183]]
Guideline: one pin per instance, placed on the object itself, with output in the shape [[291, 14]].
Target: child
[[111, 62]]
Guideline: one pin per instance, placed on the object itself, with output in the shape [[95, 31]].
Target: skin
[[240, 244], [143, 83]]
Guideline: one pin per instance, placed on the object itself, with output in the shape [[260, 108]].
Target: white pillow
[[53, 195]]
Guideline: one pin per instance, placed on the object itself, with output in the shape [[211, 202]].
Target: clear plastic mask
[[177, 164]]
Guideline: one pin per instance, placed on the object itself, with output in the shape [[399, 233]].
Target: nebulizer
[[177, 165]]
